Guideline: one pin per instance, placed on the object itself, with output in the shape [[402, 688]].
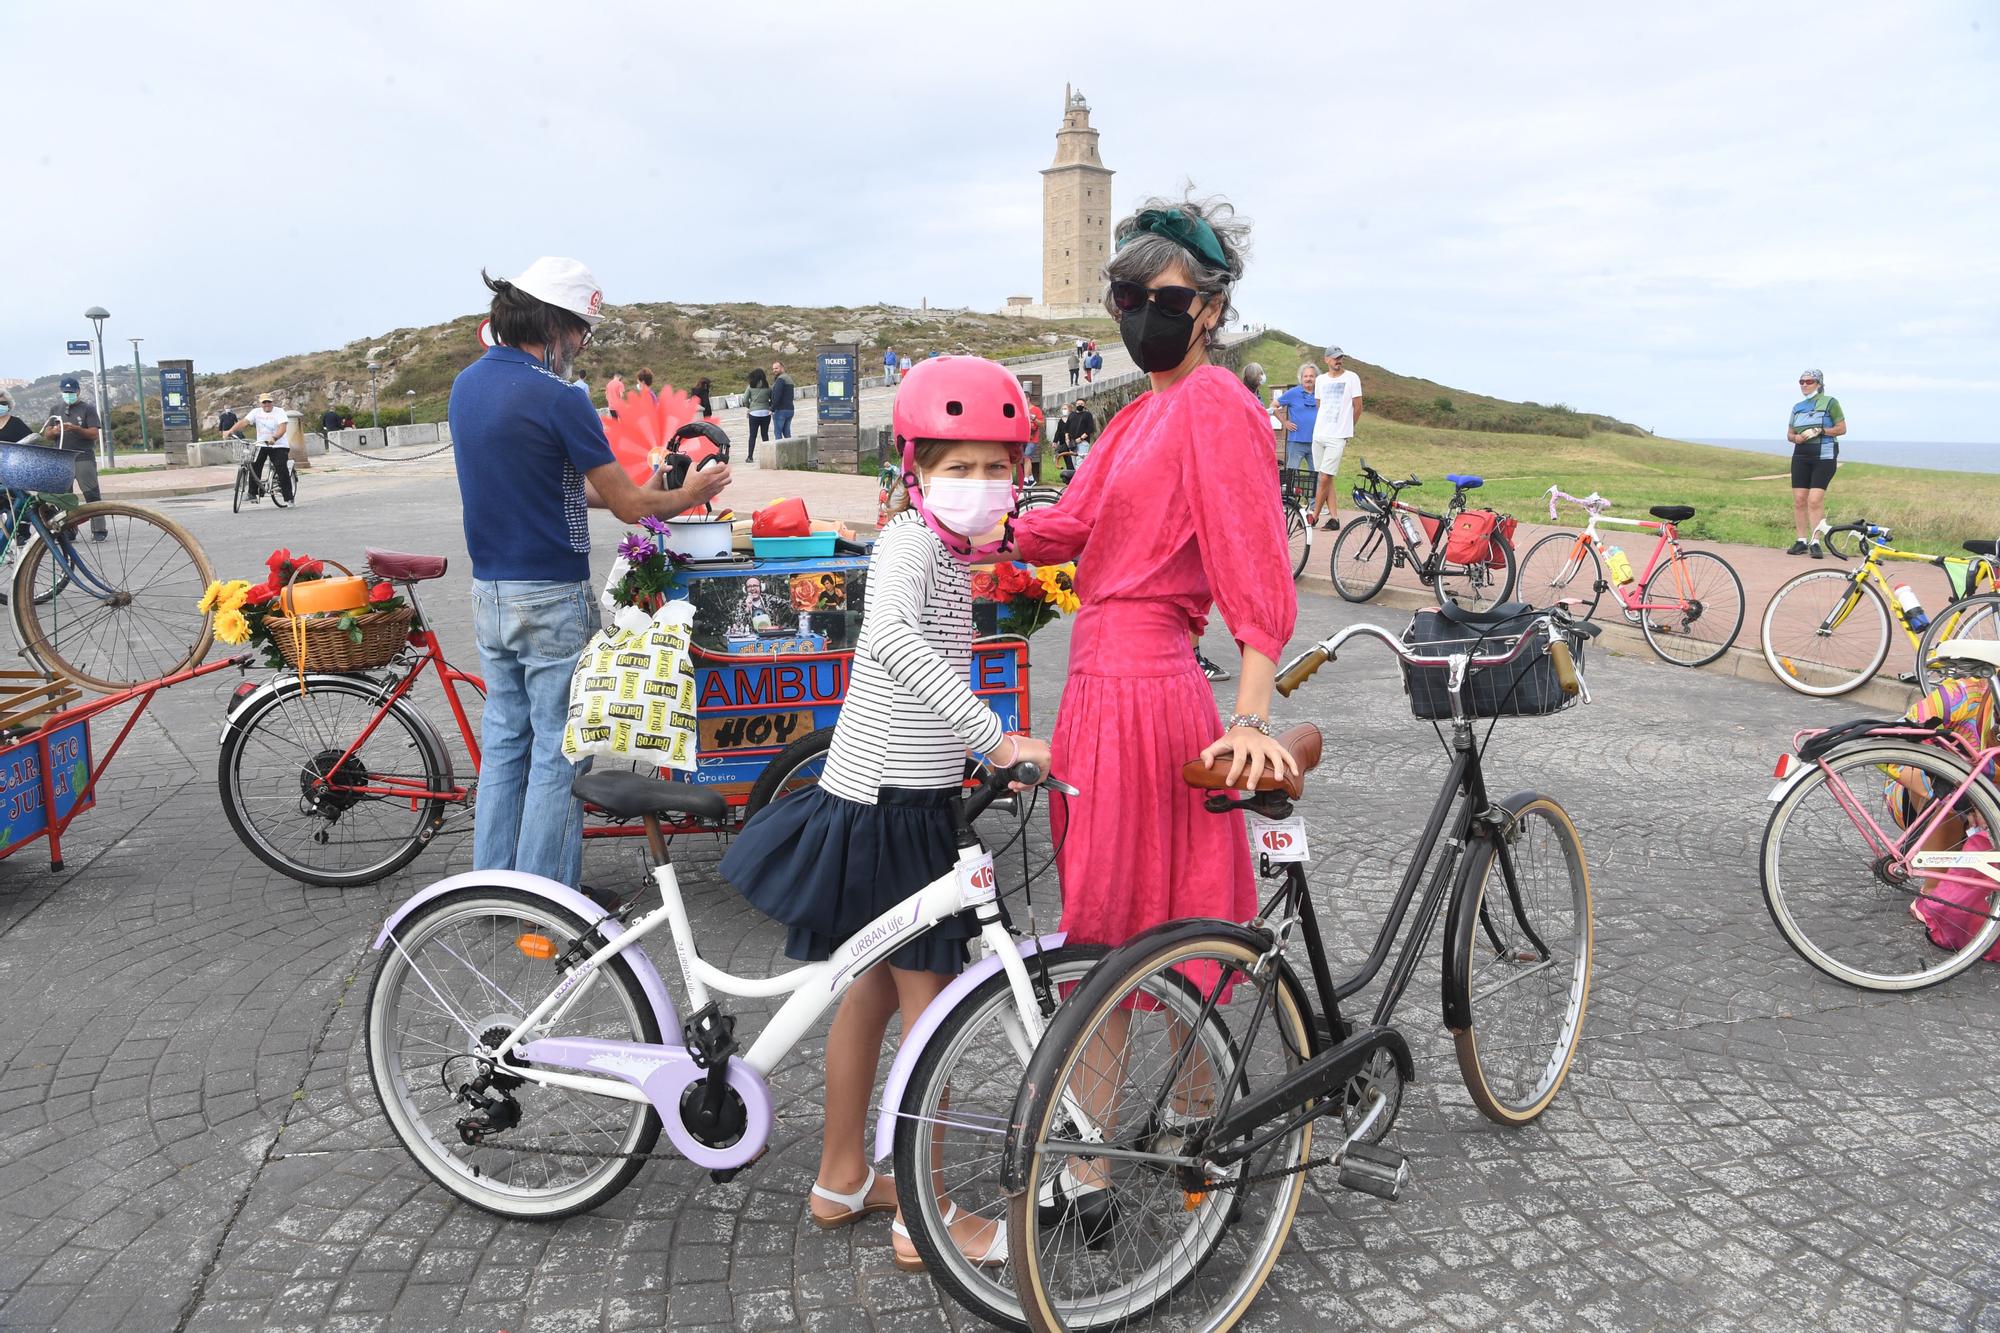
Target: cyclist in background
[[271, 426], [1816, 425]]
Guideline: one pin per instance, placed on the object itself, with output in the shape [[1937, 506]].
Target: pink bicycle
[[1689, 604]]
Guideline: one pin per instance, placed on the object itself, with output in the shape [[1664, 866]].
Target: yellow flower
[[231, 626], [1059, 587], [233, 594], [210, 599]]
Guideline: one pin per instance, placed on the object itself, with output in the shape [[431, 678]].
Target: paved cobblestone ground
[[188, 1140]]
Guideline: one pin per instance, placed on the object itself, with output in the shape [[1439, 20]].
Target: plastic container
[[699, 538], [33, 467], [1913, 610], [1617, 565], [817, 544]]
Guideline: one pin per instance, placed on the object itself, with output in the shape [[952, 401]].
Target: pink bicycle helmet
[[959, 398]]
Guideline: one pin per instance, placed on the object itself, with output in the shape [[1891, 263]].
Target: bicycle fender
[[927, 1025], [1457, 1014], [563, 896], [287, 681]]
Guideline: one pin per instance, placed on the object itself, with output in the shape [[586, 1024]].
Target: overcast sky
[[1663, 212]]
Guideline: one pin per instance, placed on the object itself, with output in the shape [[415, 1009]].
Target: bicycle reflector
[[536, 946], [1784, 765]]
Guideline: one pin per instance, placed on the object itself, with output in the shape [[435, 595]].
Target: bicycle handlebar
[[998, 781], [1592, 503], [1547, 623]]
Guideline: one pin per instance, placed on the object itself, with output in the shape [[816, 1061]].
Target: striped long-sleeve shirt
[[910, 716]]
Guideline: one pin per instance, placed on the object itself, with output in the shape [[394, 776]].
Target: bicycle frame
[[1427, 566], [21, 509], [1875, 551], [1669, 542]]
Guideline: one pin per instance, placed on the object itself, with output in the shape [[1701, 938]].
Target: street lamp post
[[97, 314], [373, 405], [411, 394], [139, 392]]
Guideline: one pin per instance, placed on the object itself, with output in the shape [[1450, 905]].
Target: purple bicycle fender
[[927, 1025], [562, 895]]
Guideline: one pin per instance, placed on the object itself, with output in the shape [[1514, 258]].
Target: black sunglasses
[[1130, 296]]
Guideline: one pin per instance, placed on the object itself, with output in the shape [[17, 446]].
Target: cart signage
[[757, 731], [27, 793]]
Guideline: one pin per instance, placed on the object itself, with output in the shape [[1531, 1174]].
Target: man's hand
[[704, 484]]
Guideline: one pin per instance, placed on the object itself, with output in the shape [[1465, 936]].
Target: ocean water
[[1948, 457]]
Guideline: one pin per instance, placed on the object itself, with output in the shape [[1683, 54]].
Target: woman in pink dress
[[1175, 511]]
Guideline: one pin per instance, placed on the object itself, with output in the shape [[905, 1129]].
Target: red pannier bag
[[1471, 539], [1505, 529]]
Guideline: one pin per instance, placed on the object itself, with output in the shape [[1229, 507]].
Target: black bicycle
[[1163, 1130], [1469, 568], [250, 491]]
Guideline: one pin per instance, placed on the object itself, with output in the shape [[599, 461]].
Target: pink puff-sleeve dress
[[1175, 511]]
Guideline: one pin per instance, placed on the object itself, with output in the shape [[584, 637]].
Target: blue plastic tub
[[31, 467], [817, 544]]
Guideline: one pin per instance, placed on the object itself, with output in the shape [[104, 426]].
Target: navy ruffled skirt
[[826, 866]]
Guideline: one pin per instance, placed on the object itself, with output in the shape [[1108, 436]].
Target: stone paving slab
[[188, 1137]]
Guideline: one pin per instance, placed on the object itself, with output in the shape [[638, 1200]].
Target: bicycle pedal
[[1907, 677], [1372, 1169]]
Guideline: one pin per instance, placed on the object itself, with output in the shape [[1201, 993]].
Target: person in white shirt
[[271, 424], [1339, 394]]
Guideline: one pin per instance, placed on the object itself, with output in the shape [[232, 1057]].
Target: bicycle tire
[[938, 1115], [1823, 885], [143, 626], [1975, 617], [1038, 496], [413, 1088], [1369, 557], [1693, 622], [1552, 573], [1476, 586], [1299, 536], [1795, 648], [242, 491], [791, 765], [278, 492], [1154, 968], [1511, 1075], [301, 734]]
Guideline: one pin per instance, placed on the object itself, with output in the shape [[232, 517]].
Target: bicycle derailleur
[[489, 1095]]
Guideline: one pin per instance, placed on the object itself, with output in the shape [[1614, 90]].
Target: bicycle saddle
[[1497, 614], [1302, 742], [630, 795], [397, 565], [1465, 481], [1672, 513], [1983, 546], [1983, 651]]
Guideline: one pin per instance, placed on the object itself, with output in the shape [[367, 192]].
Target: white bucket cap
[[565, 284]]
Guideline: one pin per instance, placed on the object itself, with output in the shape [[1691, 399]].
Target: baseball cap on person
[[565, 284], [69, 385], [1335, 351], [267, 398]]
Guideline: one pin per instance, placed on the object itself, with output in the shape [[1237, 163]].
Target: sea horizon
[[1933, 455]]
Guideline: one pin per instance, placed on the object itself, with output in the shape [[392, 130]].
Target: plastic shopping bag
[[632, 696]]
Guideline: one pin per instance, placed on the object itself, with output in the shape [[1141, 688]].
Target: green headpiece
[[1190, 234]]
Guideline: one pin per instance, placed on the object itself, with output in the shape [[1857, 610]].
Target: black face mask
[[1157, 341]]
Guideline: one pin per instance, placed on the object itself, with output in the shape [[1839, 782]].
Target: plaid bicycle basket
[[1525, 687]]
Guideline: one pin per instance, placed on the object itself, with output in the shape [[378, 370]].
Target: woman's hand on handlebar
[[1023, 750], [1250, 753]]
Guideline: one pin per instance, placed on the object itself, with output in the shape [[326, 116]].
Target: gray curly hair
[[1142, 256]]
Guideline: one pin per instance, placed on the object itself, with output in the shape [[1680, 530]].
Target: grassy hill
[[1521, 449]]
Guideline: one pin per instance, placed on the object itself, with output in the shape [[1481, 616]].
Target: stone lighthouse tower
[[1076, 216]]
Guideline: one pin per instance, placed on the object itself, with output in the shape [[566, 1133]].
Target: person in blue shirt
[[1298, 409], [783, 395], [532, 457], [1814, 428]]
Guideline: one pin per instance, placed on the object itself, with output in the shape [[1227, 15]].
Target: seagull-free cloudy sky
[[1663, 212]]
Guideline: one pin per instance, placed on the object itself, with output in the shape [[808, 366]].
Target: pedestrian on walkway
[[757, 407], [531, 455], [226, 420], [1298, 409], [889, 366], [902, 365], [704, 395], [783, 394], [1339, 394], [329, 420], [1815, 428], [646, 383], [75, 431], [13, 429], [1075, 366]]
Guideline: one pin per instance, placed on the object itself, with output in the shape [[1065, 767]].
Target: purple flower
[[653, 525], [637, 548]]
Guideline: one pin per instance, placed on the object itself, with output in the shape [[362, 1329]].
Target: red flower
[[279, 559], [984, 586], [260, 594], [308, 568], [1013, 580], [381, 592]]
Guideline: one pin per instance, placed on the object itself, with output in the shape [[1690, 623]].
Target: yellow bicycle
[[1826, 632]]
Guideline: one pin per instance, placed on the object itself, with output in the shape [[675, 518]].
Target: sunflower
[[1059, 587], [231, 626], [224, 596]]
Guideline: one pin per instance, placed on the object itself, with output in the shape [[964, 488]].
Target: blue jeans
[[1298, 455], [781, 423], [530, 636]]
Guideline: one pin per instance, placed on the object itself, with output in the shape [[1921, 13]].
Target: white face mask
[[967, 506]]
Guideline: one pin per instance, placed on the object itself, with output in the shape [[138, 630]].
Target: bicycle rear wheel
[[1299, 536], [796, 767], [1825, 634], [455, 978], [109, 599], [1692, 608], [1841, 894], [1562, 570], [1362, 554], [1481, 584], [1523, 952], [1153, 1230], [1975, 618]]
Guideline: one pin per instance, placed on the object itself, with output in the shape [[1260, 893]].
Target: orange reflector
[[1193, 1199], [536, 946], [1784, 766]]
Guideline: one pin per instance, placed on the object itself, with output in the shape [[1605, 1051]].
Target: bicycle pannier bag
[[1471, 540], [1505, 529], [1526, 687]]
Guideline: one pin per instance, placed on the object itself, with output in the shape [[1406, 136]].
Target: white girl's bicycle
[[526, 1051]]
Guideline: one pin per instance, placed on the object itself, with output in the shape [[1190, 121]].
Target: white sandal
[[856, 1205], [994, 1255]]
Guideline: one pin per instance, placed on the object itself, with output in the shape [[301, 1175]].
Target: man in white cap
[[272, 446], [1339, 394], [531, 456]]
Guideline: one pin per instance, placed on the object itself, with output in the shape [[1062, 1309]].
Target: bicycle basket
[[33, 467], [1525, 687], [1296, 484]]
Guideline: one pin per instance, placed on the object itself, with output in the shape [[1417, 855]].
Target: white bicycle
[[526, 1051]]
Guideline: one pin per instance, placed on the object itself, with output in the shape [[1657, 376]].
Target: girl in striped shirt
[[878, 825]]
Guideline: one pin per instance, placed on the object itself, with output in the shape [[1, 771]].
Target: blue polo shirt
[[1304, 409], [522, 440]]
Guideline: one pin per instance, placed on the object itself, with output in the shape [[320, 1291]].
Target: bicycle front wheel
[[1299, 537], [1562, 569], [1362, 554], [1824, 633], [1836, 875], [457, 977], [1975, 618], [1523, 950], [952, 1126], [109, 598], [311, 803], [241, 496], [1692, 608], [1482, 583], [1130, 1219]]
